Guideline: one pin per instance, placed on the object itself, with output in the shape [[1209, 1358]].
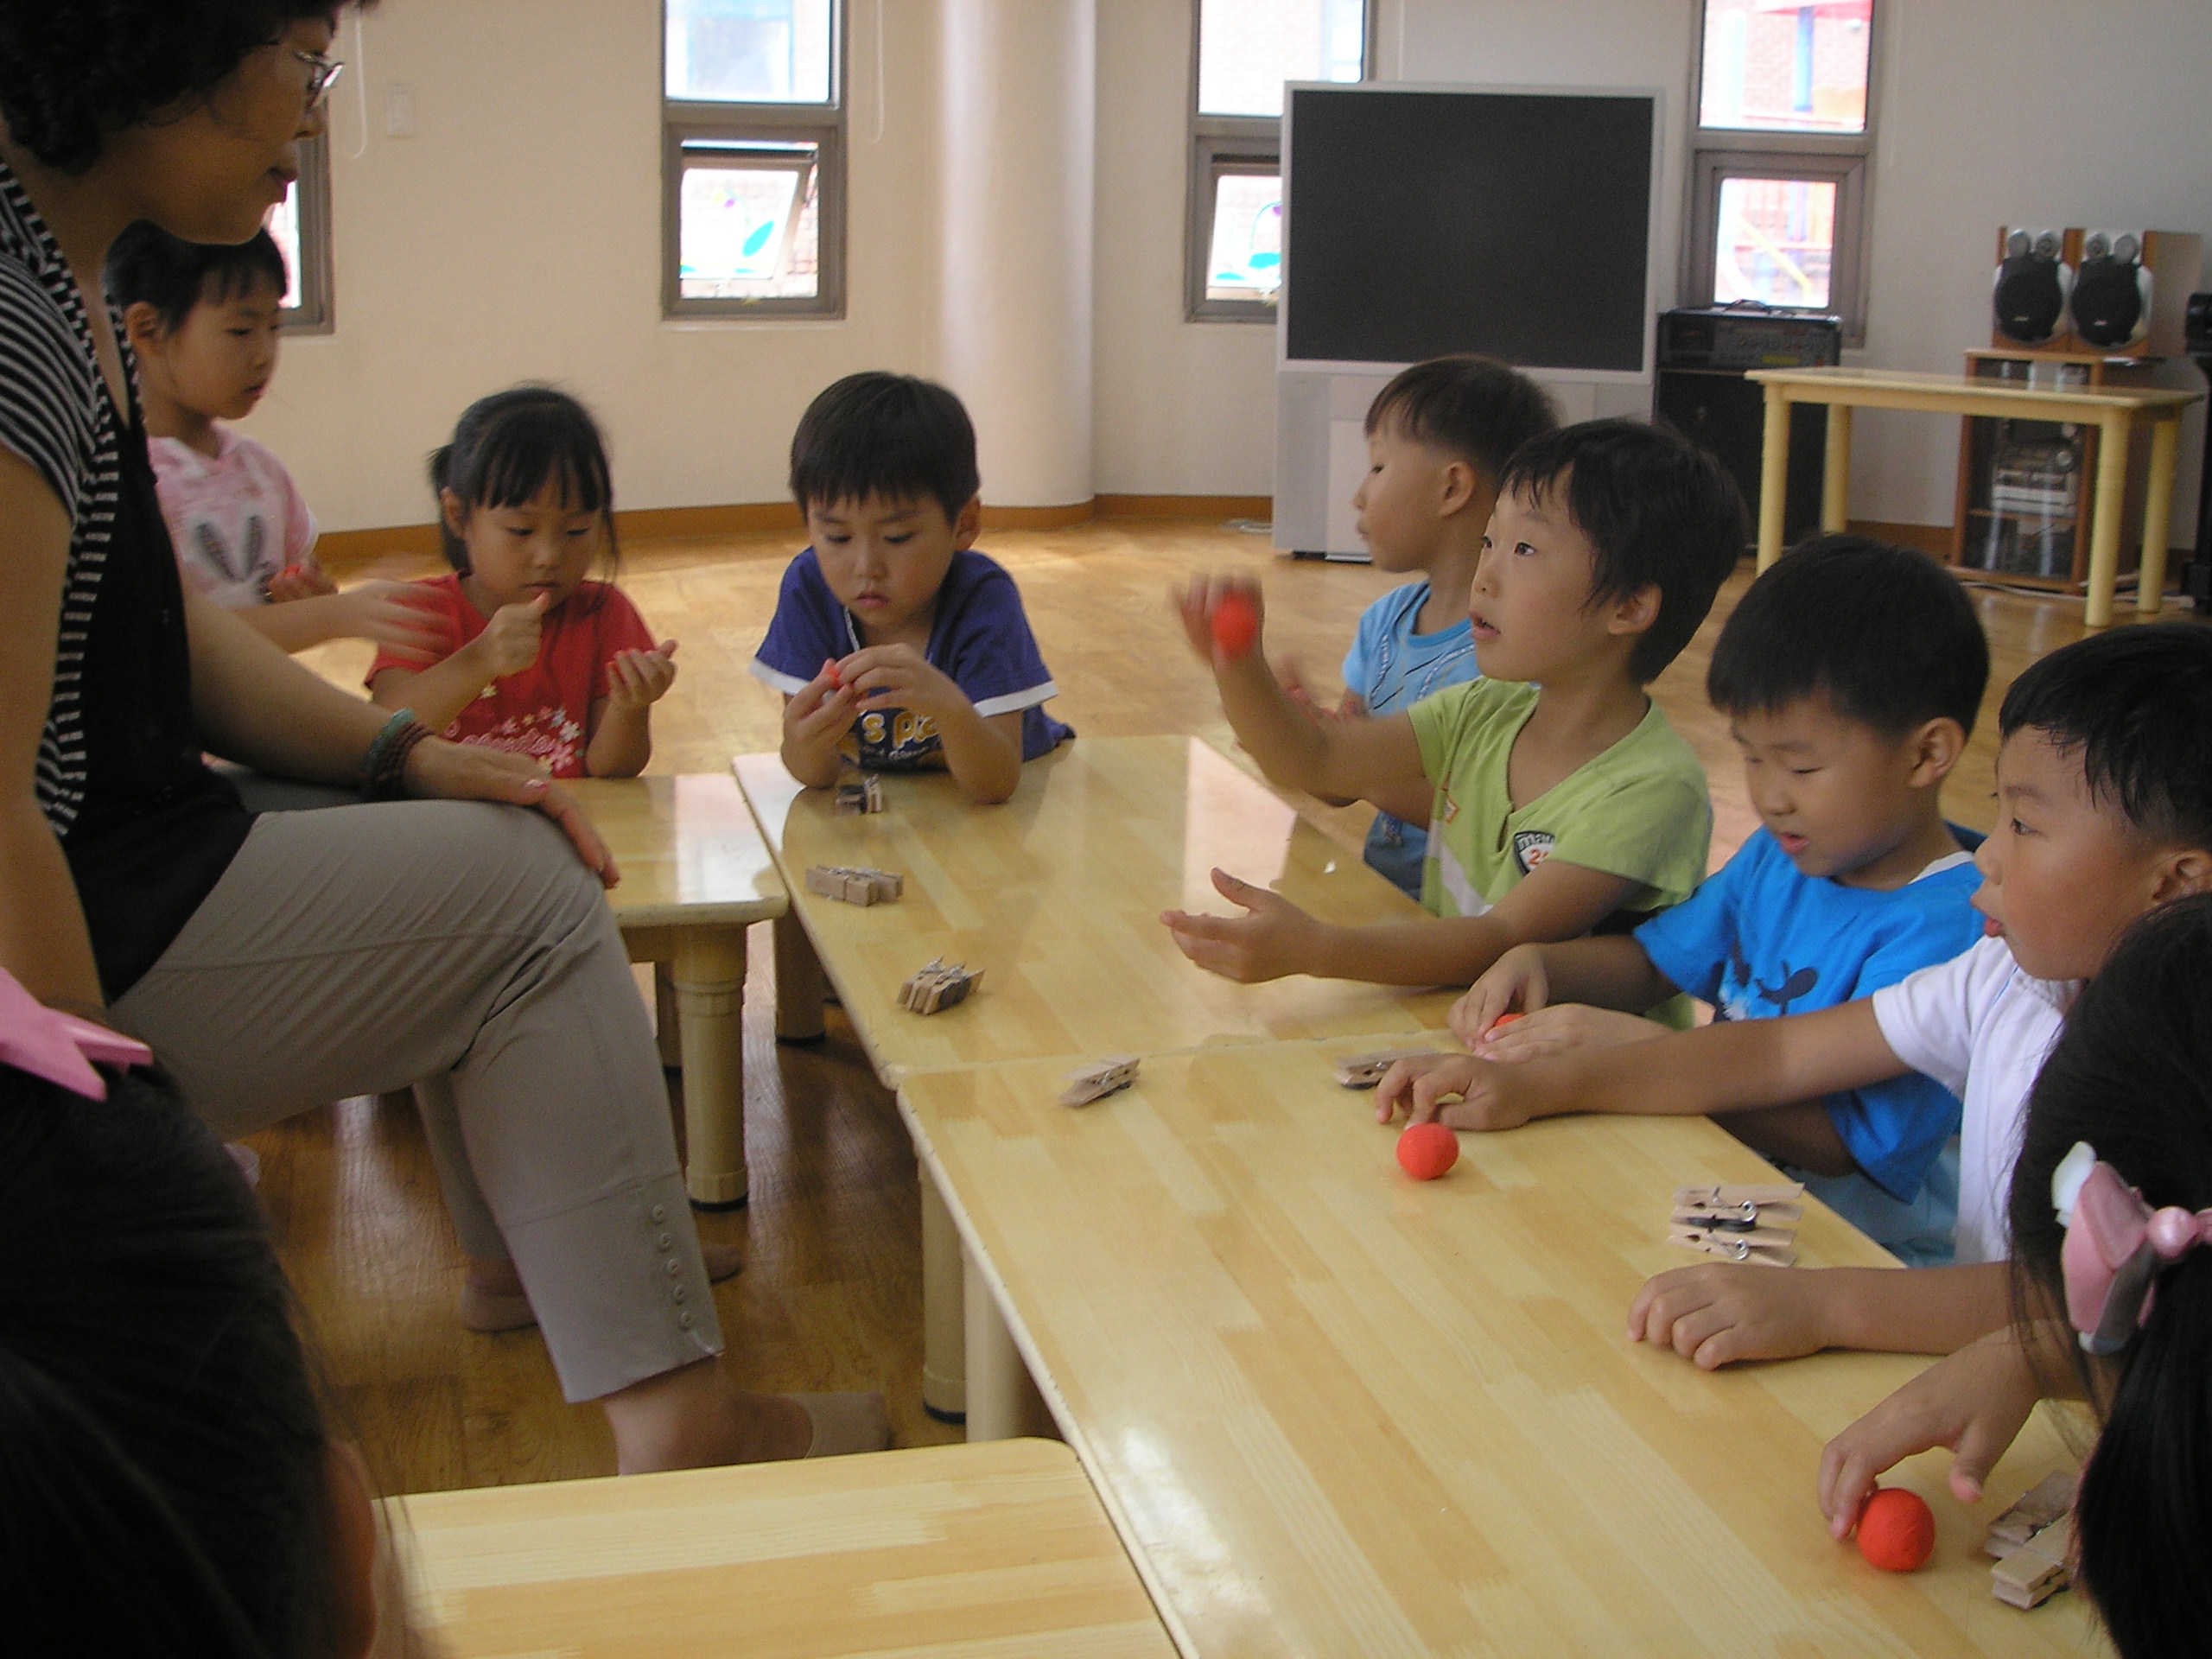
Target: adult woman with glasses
[[274, 963]]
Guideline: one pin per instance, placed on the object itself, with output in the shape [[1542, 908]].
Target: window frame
[[1230, 145], [1844, 159], [734, 126], [317, 311]]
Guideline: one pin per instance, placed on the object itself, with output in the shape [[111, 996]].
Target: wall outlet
[[399, 111]]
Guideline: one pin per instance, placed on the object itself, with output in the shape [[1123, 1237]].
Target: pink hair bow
[[2116, 1246], [58, 1046]]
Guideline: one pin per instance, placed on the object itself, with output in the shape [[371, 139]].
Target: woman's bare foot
[[492, 1300], [697, 1416]]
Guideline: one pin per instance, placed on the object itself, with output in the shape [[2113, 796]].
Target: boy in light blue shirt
[[1850, 673], [1438, 437]]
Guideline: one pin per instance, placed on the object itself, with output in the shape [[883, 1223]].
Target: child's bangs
[[528, 453]]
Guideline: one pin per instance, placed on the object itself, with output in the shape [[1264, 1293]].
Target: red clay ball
[[1502, 1023], [1897, 1533], [1236, 625], [1426, 1150]]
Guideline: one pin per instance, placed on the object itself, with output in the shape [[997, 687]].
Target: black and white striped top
[[148, 829]]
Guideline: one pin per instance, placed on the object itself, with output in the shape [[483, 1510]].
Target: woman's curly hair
[[74, 70]]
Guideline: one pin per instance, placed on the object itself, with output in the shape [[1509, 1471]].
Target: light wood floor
[[831, 1294]]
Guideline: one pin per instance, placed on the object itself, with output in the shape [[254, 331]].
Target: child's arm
[[1610, 972], [1376, 760], [1731, 1066], [983, 750], [1718, 1314], [438, 694], [400, 617], [1555, 900], [621, 721], [1976, 1401]]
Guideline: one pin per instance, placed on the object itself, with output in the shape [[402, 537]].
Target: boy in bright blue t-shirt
[[1438, 437], [896, 644], [1850, 673]]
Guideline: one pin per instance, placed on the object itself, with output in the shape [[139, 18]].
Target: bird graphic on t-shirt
[[1793, 986]]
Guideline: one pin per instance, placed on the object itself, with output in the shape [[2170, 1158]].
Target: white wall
[[517, 234]]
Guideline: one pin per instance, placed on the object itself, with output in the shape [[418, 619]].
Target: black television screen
[[1425, 222]]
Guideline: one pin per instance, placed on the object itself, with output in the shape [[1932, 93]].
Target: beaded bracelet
[[385, 764]]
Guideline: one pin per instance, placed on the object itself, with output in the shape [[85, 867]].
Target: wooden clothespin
[[1755, 1224], [2037, 1570], [938, 985], [1763, 1246], [853, 886], [1097, 1082], [858, 796], [1365, 1070], [2036, 1508]]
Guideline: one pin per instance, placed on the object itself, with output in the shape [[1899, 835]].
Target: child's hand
[[1565, 1028], [819, 713], [1975, 1401], [898, 676], [1276, 937], [1720, 1313], [1515, 983], [1198, 600], [401, 617], [637, 679], [510, 640], [1487, 1097], [299, 581]]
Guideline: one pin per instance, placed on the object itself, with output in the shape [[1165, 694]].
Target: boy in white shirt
[[2105, 813]]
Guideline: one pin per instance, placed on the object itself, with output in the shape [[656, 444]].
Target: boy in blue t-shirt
[[896, 644], [1850, 673], [1438, 438]]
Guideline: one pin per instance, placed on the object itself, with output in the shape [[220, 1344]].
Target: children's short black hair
[[1885, 634], [148, 264], [509, 446], [1659, 511], [894, 436], [164, 1488], [2135, 703], [2132, 1075], [72, 73], [1471, 406]]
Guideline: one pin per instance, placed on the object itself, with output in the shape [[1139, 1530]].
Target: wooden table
[[1056, 895], [2115, 411], [695, 875], [996, 1549], [1333, 1411]]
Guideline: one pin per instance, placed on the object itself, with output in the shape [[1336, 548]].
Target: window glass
[[1774, 66], [1247, 48], [283, 222], [750, 223], [1777, 241], [1247, 249], [749, 51]]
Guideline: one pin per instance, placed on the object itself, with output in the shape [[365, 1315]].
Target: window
[[1778, 177], [1243, 52], [754, 185], [301, 227]]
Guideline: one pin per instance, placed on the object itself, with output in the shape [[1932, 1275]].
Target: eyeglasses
[[321, 71]]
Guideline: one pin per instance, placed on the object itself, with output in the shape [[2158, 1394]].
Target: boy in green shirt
[[1557, 796]]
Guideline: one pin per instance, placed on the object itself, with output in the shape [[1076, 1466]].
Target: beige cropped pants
[[462, 948]]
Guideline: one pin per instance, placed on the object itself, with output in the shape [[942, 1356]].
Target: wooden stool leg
[[710, 1001], [1774, 475], [944, 1335], [1003, 1403], [2158, 508], [668, 1018], [2111, 504], [800, 992]]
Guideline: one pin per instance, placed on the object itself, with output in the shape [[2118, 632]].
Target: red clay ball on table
[[1236, 625], [1426, 1150], [1897, 1532]]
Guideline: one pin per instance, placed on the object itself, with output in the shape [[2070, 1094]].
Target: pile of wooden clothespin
[[859, 795], [1365, 1070], [938, 985], [1097, 1082], [2033, 1541], [854, 886], [1739, 1223]]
